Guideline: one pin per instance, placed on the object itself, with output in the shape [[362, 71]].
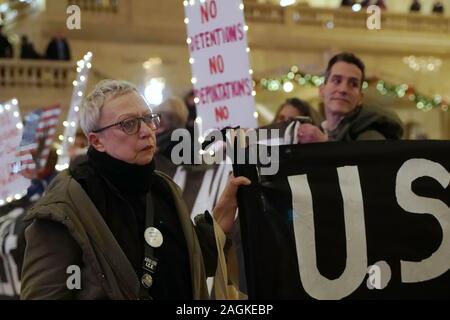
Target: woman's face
[[137, 148], [288, 112]]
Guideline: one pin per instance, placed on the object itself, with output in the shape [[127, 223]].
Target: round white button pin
[[153, 237]]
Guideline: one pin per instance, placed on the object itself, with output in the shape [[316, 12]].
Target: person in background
[[190, 104], [347, 3], [79, 146], [58, 48], [380, 3], [415, 6], [414, 131], [27, 50], [40, 180], [44, 176], [294, 107], [438, 7], [6, 49], [174, 115], [189, 100], [346, 117], [78, 150]]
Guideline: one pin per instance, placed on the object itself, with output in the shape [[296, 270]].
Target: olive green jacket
[[66, 230]]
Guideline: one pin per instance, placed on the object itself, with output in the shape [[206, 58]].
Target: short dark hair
[[348, 58]]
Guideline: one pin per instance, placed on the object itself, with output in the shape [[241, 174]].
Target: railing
[[344, 18], [256, 12], [36, 73], [107, 6]]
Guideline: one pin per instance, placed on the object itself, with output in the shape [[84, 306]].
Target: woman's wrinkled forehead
[[130, 103]]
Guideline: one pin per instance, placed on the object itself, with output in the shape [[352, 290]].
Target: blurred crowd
[[57, 48]]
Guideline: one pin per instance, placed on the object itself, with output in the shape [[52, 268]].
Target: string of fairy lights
[[71, 123], [294, 77]]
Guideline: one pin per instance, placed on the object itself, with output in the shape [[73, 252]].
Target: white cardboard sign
[[13, 186], [217, 41]]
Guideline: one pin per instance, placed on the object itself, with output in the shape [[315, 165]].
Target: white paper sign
[[217, 41], [13, 186]]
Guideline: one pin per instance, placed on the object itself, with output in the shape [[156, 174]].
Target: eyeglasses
[[132, 125]]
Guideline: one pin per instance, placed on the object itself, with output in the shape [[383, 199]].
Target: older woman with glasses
[[112, 227]]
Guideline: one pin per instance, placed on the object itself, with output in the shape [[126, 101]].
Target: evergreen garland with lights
[[294, 77]]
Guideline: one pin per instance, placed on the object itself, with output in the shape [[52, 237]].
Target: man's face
[[137, 148], [341, 94]]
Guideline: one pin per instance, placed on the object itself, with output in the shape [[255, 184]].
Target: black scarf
[[126, 177]]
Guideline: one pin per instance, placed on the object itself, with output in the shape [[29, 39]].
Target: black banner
[[362, 220], [11, 253]]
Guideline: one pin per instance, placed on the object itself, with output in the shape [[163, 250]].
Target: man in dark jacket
[[6, 49], [112, 227], [438, 7], [346, 118], [415, 6], [58, 48], [27, 50]]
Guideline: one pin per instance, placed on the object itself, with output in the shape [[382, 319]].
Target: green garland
[[295, 77]]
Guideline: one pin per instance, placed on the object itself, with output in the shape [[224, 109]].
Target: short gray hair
[[90, 110]]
